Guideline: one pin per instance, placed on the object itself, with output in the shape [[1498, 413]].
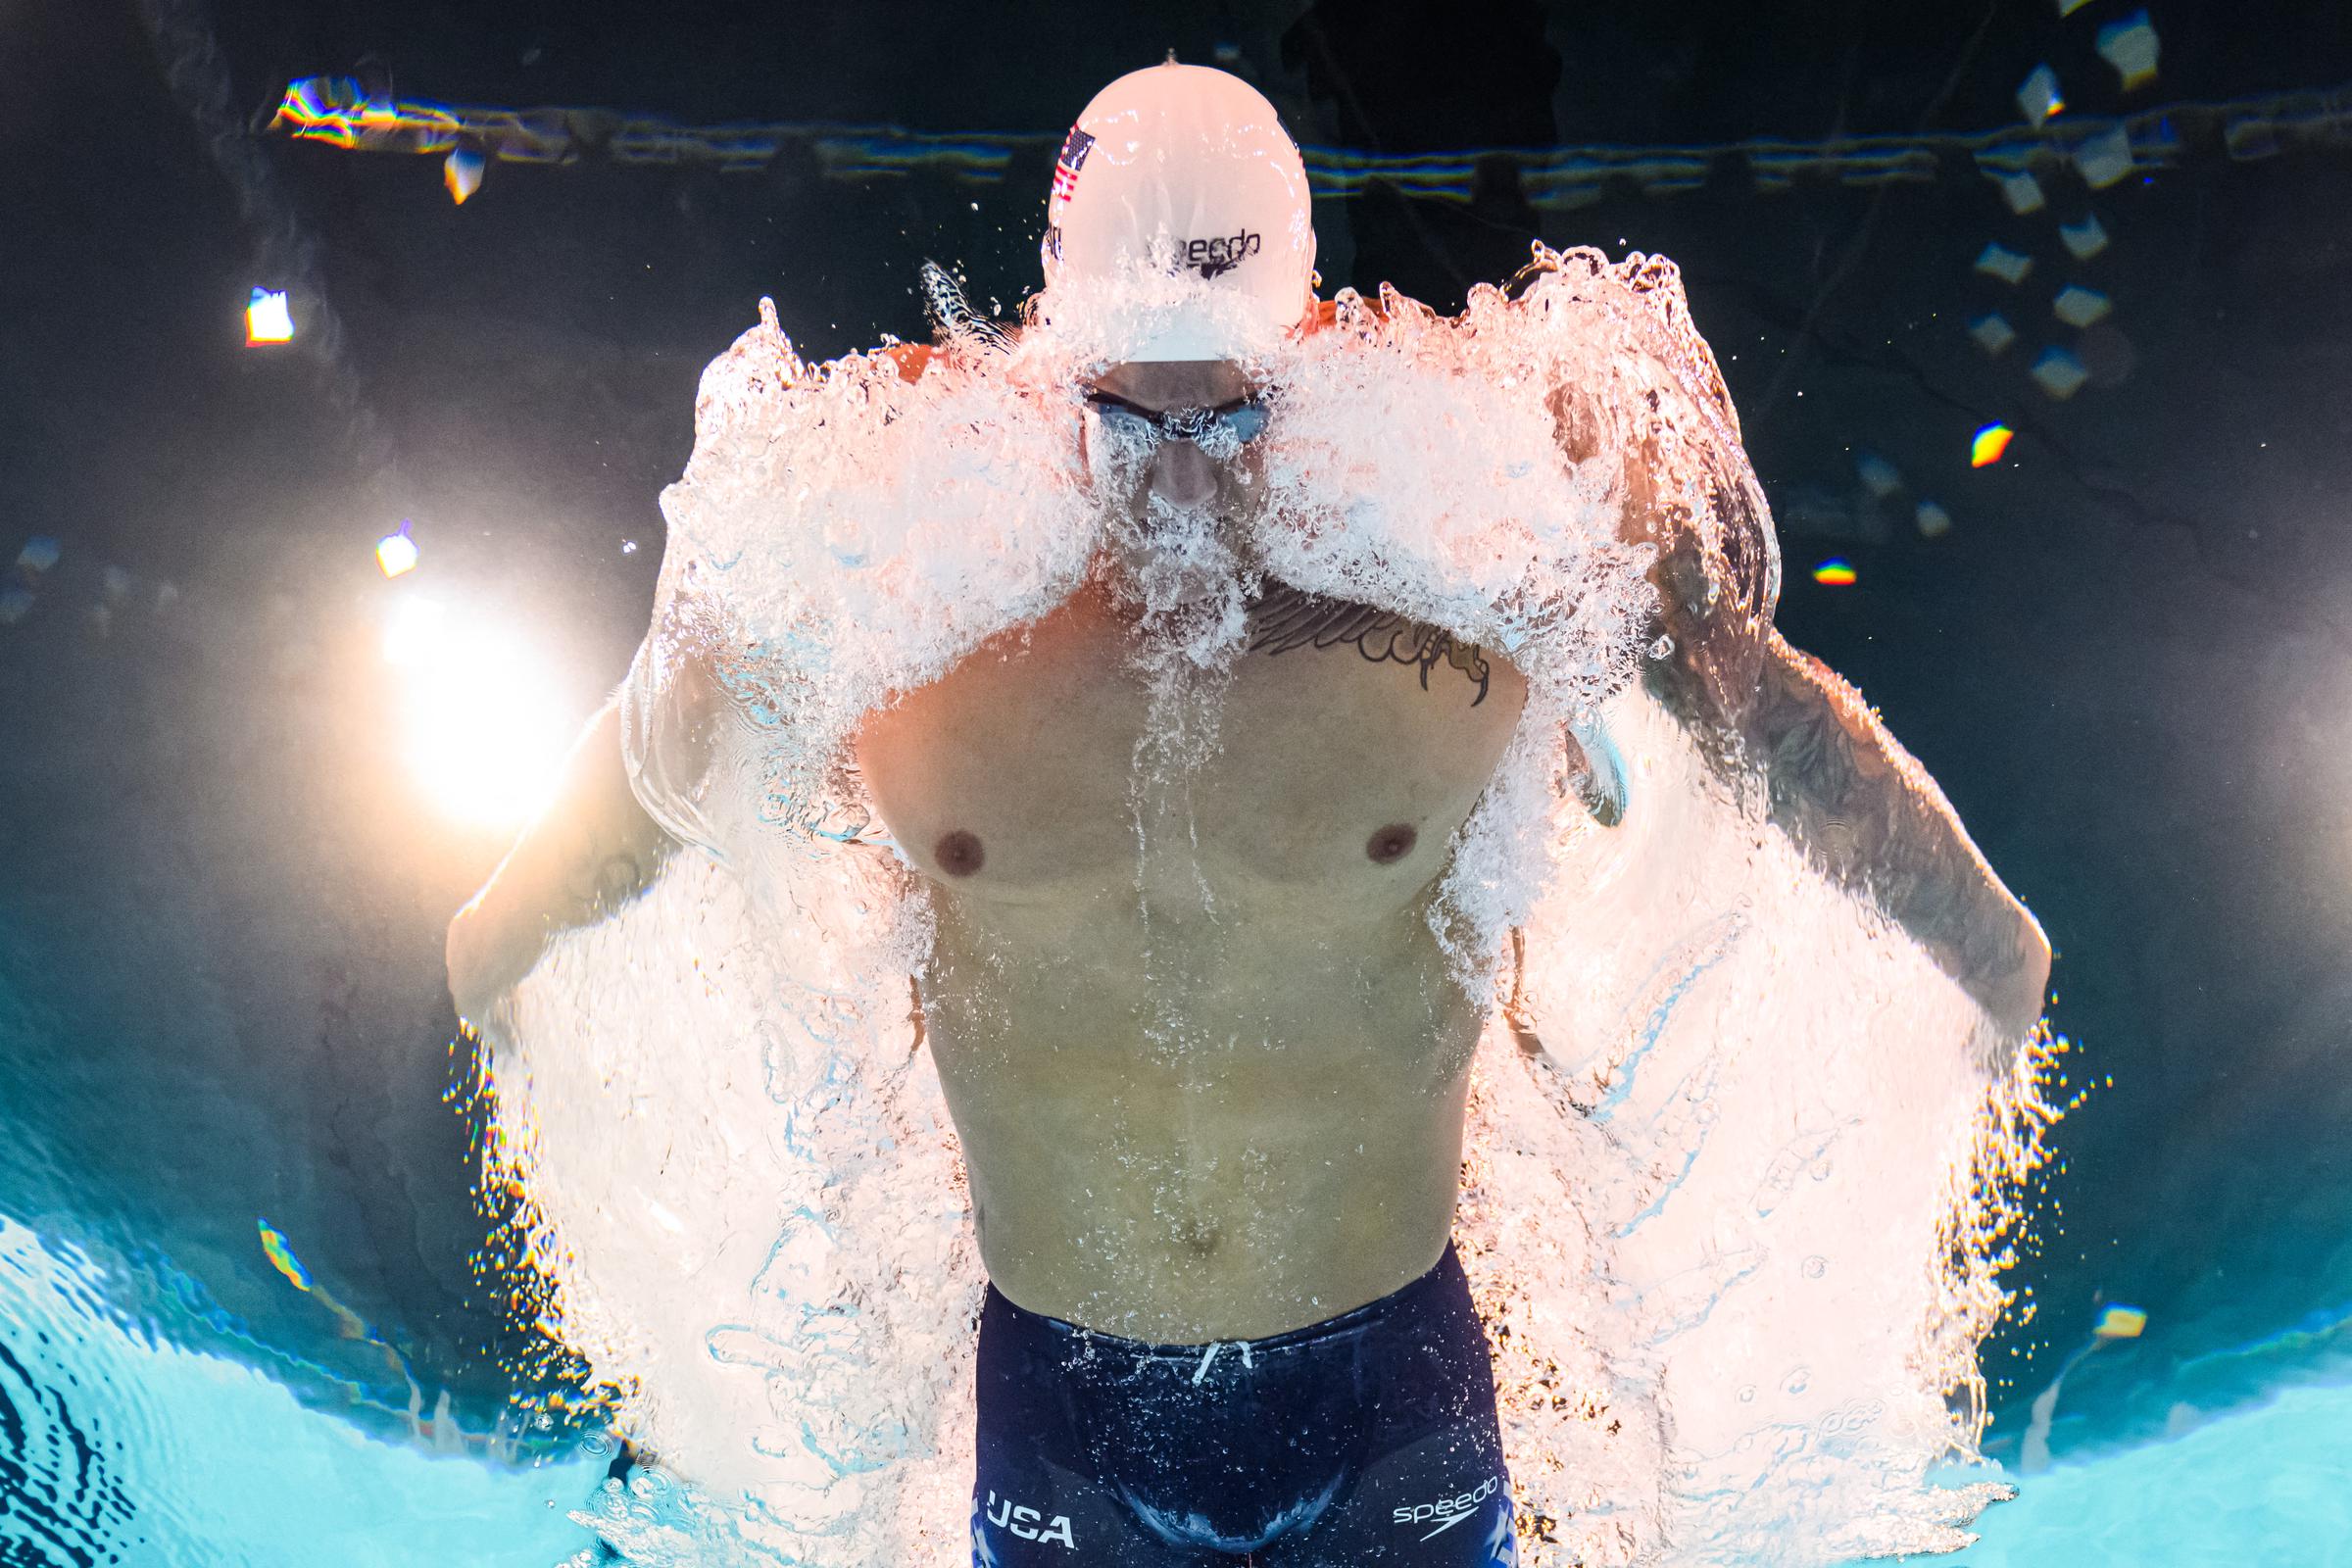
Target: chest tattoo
[[1286, 618]]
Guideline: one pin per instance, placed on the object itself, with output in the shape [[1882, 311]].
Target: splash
[[1739, 1147]]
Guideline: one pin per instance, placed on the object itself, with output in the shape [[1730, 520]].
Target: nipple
[[1392, 843], [959, 853]]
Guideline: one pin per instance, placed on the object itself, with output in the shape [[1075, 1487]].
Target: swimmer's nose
[[1182, 474]]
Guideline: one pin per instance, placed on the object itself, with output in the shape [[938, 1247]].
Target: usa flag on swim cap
[[1185, 167], [1074, 149]]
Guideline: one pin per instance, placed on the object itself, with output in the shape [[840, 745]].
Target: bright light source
[[1990, 443], [2037, 98], [1834, 573], [412, 634], [268, 319], [462, 174], [2121, 1323], [485, 724], [396, 553]]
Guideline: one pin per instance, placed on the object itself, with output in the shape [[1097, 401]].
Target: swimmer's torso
[[1199, 1042]]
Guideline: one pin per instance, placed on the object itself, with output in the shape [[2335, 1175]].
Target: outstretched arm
[[591, 849], [1867, 813], [1862, 810]]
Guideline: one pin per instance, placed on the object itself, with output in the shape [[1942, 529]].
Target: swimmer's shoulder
[[1326, 315], [911, 358]]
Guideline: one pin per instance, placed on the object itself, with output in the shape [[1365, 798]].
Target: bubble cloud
[[1751, 1098]]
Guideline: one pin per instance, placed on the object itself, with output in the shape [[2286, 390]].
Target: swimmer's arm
[[591, 850], [1862, 810], [1867, 812]]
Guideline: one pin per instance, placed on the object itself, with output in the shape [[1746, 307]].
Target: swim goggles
[[1243, 420]]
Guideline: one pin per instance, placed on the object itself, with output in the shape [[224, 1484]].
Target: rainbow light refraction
[[1990, 443], [2121, 1323], [267, 318], [282, 1257], [338, 111], [462, 174], [1835, 572]]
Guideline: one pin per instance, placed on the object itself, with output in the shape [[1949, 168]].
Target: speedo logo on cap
[[1217, 255]]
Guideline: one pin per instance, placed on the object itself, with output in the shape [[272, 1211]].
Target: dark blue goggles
[[1245, 420]]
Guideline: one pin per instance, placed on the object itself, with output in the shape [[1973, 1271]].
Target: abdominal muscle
[[1179, 1159]]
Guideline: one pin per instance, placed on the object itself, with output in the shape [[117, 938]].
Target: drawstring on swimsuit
[[1210, 1354]]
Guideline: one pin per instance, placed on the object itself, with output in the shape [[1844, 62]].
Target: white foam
[[752, 1206], [1758, 1102]]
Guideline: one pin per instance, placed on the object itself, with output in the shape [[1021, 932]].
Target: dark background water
[[2128, 663]]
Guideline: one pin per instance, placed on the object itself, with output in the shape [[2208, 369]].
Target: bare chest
[[1327, 765]]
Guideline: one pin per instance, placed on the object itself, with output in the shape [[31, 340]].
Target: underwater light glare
[[396, 553], [462, 174], [268, 319], [1990, 443], [2121, 1323], [2038, 97], [484, 723], [1835, 572]]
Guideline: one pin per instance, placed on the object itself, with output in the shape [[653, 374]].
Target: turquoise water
[[138, 1452], [2122, 652], [144, 1453], [2262, 1484]]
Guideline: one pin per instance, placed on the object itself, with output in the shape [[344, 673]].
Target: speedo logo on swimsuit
[[1447, 1511], [1024, 1522]]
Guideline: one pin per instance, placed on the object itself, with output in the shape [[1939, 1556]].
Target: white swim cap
[[1188, 171]]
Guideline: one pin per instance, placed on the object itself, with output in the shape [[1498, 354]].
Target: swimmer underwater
[[1204, 1039]]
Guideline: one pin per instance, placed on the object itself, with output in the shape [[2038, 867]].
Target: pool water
[[121, 1447], [2265, 1484], [249, 1313]]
